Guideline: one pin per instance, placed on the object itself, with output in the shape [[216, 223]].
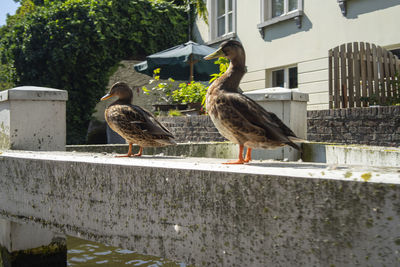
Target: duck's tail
[[297, 140], [294, 140], [167, 141]]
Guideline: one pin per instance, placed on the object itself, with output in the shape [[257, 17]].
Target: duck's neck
[[123, 101], [231, 78]]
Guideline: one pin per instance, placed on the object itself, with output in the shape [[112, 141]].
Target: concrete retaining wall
[[378, 126], [208, 214]]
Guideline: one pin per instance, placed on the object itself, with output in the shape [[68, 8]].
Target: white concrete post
[[291, 107], [33, 118]]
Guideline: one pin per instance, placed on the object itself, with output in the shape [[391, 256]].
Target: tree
[[75, 45]]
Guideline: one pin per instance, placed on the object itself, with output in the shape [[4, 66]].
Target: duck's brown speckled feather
[[237, 117], [243, 121], [137, 125]]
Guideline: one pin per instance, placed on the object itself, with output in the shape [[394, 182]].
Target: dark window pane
[[221, 7], [396, 52], [221, 26], [278, 78], [293, 78], [293, 5], [230, 5], [277, 8]]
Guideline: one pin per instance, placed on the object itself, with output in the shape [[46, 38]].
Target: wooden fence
[[362, 74]]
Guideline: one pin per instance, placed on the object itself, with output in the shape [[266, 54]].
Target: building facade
[[287, 41]]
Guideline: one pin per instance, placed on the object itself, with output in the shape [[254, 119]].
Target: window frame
[[266, 14], [286, 80], [213, 32]]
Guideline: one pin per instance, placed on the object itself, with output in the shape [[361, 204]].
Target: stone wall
[[192, 128], [379, 126]]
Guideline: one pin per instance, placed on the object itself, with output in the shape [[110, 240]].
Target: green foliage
[[170, 93], [192, 92], [174, 113], [162, 90], [74, 45], [6, 74]]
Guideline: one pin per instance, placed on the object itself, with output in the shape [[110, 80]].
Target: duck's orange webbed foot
[[124, 156], [139, 153], [130, 153], [240, 160], [248, 155]]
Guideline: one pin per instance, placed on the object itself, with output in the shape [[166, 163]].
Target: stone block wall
[[192, 128], [379, 126]]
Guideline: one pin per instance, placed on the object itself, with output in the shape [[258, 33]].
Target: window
[[396, 52], [278, 78], [274, 11], [293, 78], [222, 22], [224, 17], [281, 7], [286, 77]]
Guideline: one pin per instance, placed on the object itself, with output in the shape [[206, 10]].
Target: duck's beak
[[107, 96], [216, 54]]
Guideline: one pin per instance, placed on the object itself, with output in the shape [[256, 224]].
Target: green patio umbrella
[[181, 62]]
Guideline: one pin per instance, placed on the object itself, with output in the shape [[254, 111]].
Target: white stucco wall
[[323, 27]]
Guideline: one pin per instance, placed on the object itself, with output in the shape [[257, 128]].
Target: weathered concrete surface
[[223, 150], [363, 155], [312, 152], [208, 214]]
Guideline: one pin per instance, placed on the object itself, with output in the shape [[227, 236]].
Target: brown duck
[[135, 124], [237, 117]]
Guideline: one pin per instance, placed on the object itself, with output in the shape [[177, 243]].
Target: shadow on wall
[[286, 28], [197, 35], [359, 7]]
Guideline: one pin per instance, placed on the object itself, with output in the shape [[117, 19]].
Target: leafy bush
[[162, 91], [75, 44], [174, 113], [192, 92]]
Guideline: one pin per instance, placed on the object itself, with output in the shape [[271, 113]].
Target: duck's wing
[[131, 117], [247, 117], [153, 125]]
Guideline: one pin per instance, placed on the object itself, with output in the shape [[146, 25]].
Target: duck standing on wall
[[237, 117], [135, 124]]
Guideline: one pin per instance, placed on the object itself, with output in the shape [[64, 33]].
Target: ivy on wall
[[75, 45]]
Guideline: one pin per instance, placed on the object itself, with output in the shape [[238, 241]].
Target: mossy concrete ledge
[[223, 150], [208, 214]]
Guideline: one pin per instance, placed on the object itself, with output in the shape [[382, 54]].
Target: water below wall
[[83, 253]]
